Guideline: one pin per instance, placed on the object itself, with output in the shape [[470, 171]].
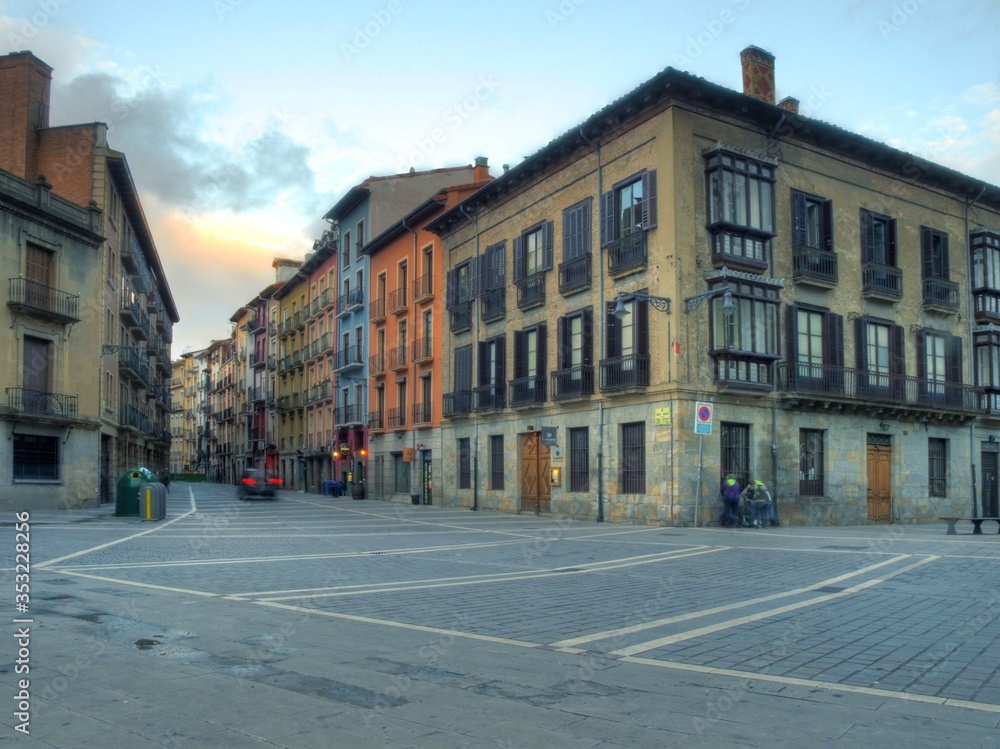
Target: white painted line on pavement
[[92, 549], [612, 633], [506, 577], [643, 647], [814, 684]]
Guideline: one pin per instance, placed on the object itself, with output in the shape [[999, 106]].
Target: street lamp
[[661, 303], [692, 303]]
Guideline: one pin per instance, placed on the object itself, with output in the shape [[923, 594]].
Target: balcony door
[[36, 371]]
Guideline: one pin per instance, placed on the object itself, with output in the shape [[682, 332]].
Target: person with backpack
[[731, 492]]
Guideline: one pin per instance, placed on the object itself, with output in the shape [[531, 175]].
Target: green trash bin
[[127, 491]]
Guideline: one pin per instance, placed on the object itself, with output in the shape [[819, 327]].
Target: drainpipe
[[600, 327], [475, 337], [413, 388], [972, 356]]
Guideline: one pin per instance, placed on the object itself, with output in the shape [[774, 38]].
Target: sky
[[244, 121]]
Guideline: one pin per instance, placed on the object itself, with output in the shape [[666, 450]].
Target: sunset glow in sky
[[244, 121]]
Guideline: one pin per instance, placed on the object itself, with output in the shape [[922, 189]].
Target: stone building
[[129, 301], [697, 281]]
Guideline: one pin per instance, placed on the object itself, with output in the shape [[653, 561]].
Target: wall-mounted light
[[883, 426], [556, 478], [661, 303]]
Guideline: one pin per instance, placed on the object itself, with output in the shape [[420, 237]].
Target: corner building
[[689, 244]]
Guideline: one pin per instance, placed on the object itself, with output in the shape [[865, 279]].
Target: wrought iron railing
[[628, 252], [36, 296], [42, 403], [573, 382], [574, 274], [625, 372]]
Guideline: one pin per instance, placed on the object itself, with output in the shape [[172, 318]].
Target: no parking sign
[[702, 418]]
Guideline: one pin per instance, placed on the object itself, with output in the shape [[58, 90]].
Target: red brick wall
[[66, 158], [24, 93]]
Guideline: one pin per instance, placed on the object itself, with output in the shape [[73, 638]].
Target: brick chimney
[[481, 169], [758, 73], [25, 82]]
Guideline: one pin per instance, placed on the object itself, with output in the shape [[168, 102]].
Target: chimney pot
[[790, 103], [758, 73]]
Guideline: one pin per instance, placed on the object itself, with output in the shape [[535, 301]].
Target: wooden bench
[[977, 525]]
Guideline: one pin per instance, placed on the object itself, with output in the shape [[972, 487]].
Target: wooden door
[[991, 498], [536, 491], [879, 484]]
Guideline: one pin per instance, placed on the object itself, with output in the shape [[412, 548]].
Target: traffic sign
[[703, 418]]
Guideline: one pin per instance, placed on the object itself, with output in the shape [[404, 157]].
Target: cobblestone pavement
[[321, 622]]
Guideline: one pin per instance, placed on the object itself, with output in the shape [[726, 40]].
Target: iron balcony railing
[[396, 418], [574, 274], [573, 382], [423, 288], [376, 421], [940, 293], [39, 299], [376, 310], [376, 364], [814, 264], [346, 415], [42, 403], [494, 305], [423, 350], [877, 386], [397, 357], [489, 397], [625, 372], [457, 403], [397, 300], [352, 356], [461, 317], [628, 252], [525, 391], [531, 290], [882, 280], [422, 413]]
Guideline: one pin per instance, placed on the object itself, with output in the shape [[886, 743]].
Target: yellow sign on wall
[[661, 416], [408, 454]]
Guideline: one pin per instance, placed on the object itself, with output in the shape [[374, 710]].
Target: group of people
[[751, 506]]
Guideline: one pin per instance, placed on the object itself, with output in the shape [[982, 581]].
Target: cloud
[[166, 135]]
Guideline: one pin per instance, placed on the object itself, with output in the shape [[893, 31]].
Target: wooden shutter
[[649, 199], [798, 219], [37, 361], [792, 341], [827, 225], [587, 354], [897, 360], [860, 343], [642, 327], [891, 242], [921, 345], [613, 343], [562, 343], [483, 363], [501, 362], [518, 259], [519, 352], [833, 340], [926, 253], [451, 289], [953, 359], [38, 265], [866, 233], [548, 239], [463, 368], [607, 218], [542, 346]]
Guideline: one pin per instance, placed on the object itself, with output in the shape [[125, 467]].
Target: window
[[629, 207], [937, 467], [528, 385], [812, 221], [36, 369], [533, 251], [740, 194], [36, 457], [401, 474], [460, 292], [815, 349], [460, 400], [939, 367], [878, 239], [934, 254], [496, 462], [492, 373], [986, 262], [464, 463], [879, 347], [361, 238], [345, 252], [811, 462], [579, 459], [576, 230], [745, 343], [632, 479], [735, 444], [627, 346], [575, 344], [494, 298]]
